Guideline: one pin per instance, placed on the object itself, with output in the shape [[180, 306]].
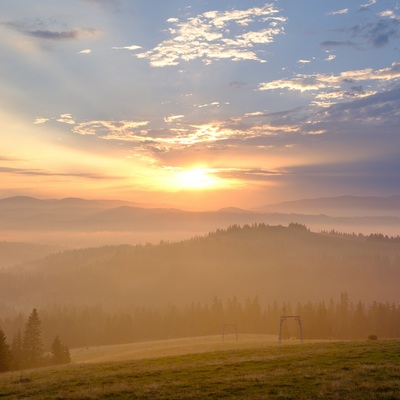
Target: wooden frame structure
[[296, 318]]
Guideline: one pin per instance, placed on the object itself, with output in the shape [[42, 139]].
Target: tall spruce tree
[[59, 352], [5, 355], [32, 347]]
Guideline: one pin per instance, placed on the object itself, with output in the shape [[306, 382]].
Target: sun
[[195, 179]]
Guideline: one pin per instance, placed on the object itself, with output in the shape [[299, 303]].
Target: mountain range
[[340, 206], [78, 222]]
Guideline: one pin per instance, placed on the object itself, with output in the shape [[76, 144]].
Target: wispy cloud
[[338, 43], [378, 34], [173, 118], [40, 120], [339, 12], [212, 104], [365, 6], [66, 119], [8, 159], [38, 29], [335, 87], [330, 57], [114, 130], [41, 172], [130, 48], [389, 14], [73, 34], [247, 174], [216, 35]]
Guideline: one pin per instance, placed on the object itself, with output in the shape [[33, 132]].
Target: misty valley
[[343, 286], [191, 301]]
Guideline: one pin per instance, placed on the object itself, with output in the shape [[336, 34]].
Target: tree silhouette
[[32, 347], [5, 355], [59, 353]]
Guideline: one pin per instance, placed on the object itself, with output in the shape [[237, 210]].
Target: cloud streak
[[41, 172], [53, 35]]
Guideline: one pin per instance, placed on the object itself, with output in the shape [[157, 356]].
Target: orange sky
[[202, 106]]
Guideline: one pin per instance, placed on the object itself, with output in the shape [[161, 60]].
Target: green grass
[[326, 370]]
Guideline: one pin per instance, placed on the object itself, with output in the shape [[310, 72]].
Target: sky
[[199, 104]]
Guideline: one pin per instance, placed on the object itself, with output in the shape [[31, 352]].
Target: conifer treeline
[[27, 350], [93, 326]]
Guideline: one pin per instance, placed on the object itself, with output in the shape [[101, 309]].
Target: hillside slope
[[274, 262]]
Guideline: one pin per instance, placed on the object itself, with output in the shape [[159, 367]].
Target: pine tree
[[5, 355], [32, 347], [59, 353]]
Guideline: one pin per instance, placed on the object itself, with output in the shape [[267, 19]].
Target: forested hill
[[18, 252], [273, 262]]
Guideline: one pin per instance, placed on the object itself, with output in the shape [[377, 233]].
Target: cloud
[[8, 159], [365, 6], [339, 12], [86, 51], [55, 35], [247, 174], [216, 35], [377, 31], [389, 14], [330, 57], [378, 34], [130, 48], [335, 43], [300, 82], [40, 172], [173, 118], [73, 34], [254, 114], [40, 120], [212, 104], [66, 119], [378, 109], [335, 87], [113, 130]]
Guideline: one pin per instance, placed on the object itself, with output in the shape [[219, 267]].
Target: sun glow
[[196, 178]]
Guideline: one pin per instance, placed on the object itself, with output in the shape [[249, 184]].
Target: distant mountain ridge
[[51, 220], [24, 201], [339, 206]]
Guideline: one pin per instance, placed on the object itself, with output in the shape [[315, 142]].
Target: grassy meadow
[[207, 368]]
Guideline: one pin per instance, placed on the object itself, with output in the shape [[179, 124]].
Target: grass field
[[166, 348], [247, 369]]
